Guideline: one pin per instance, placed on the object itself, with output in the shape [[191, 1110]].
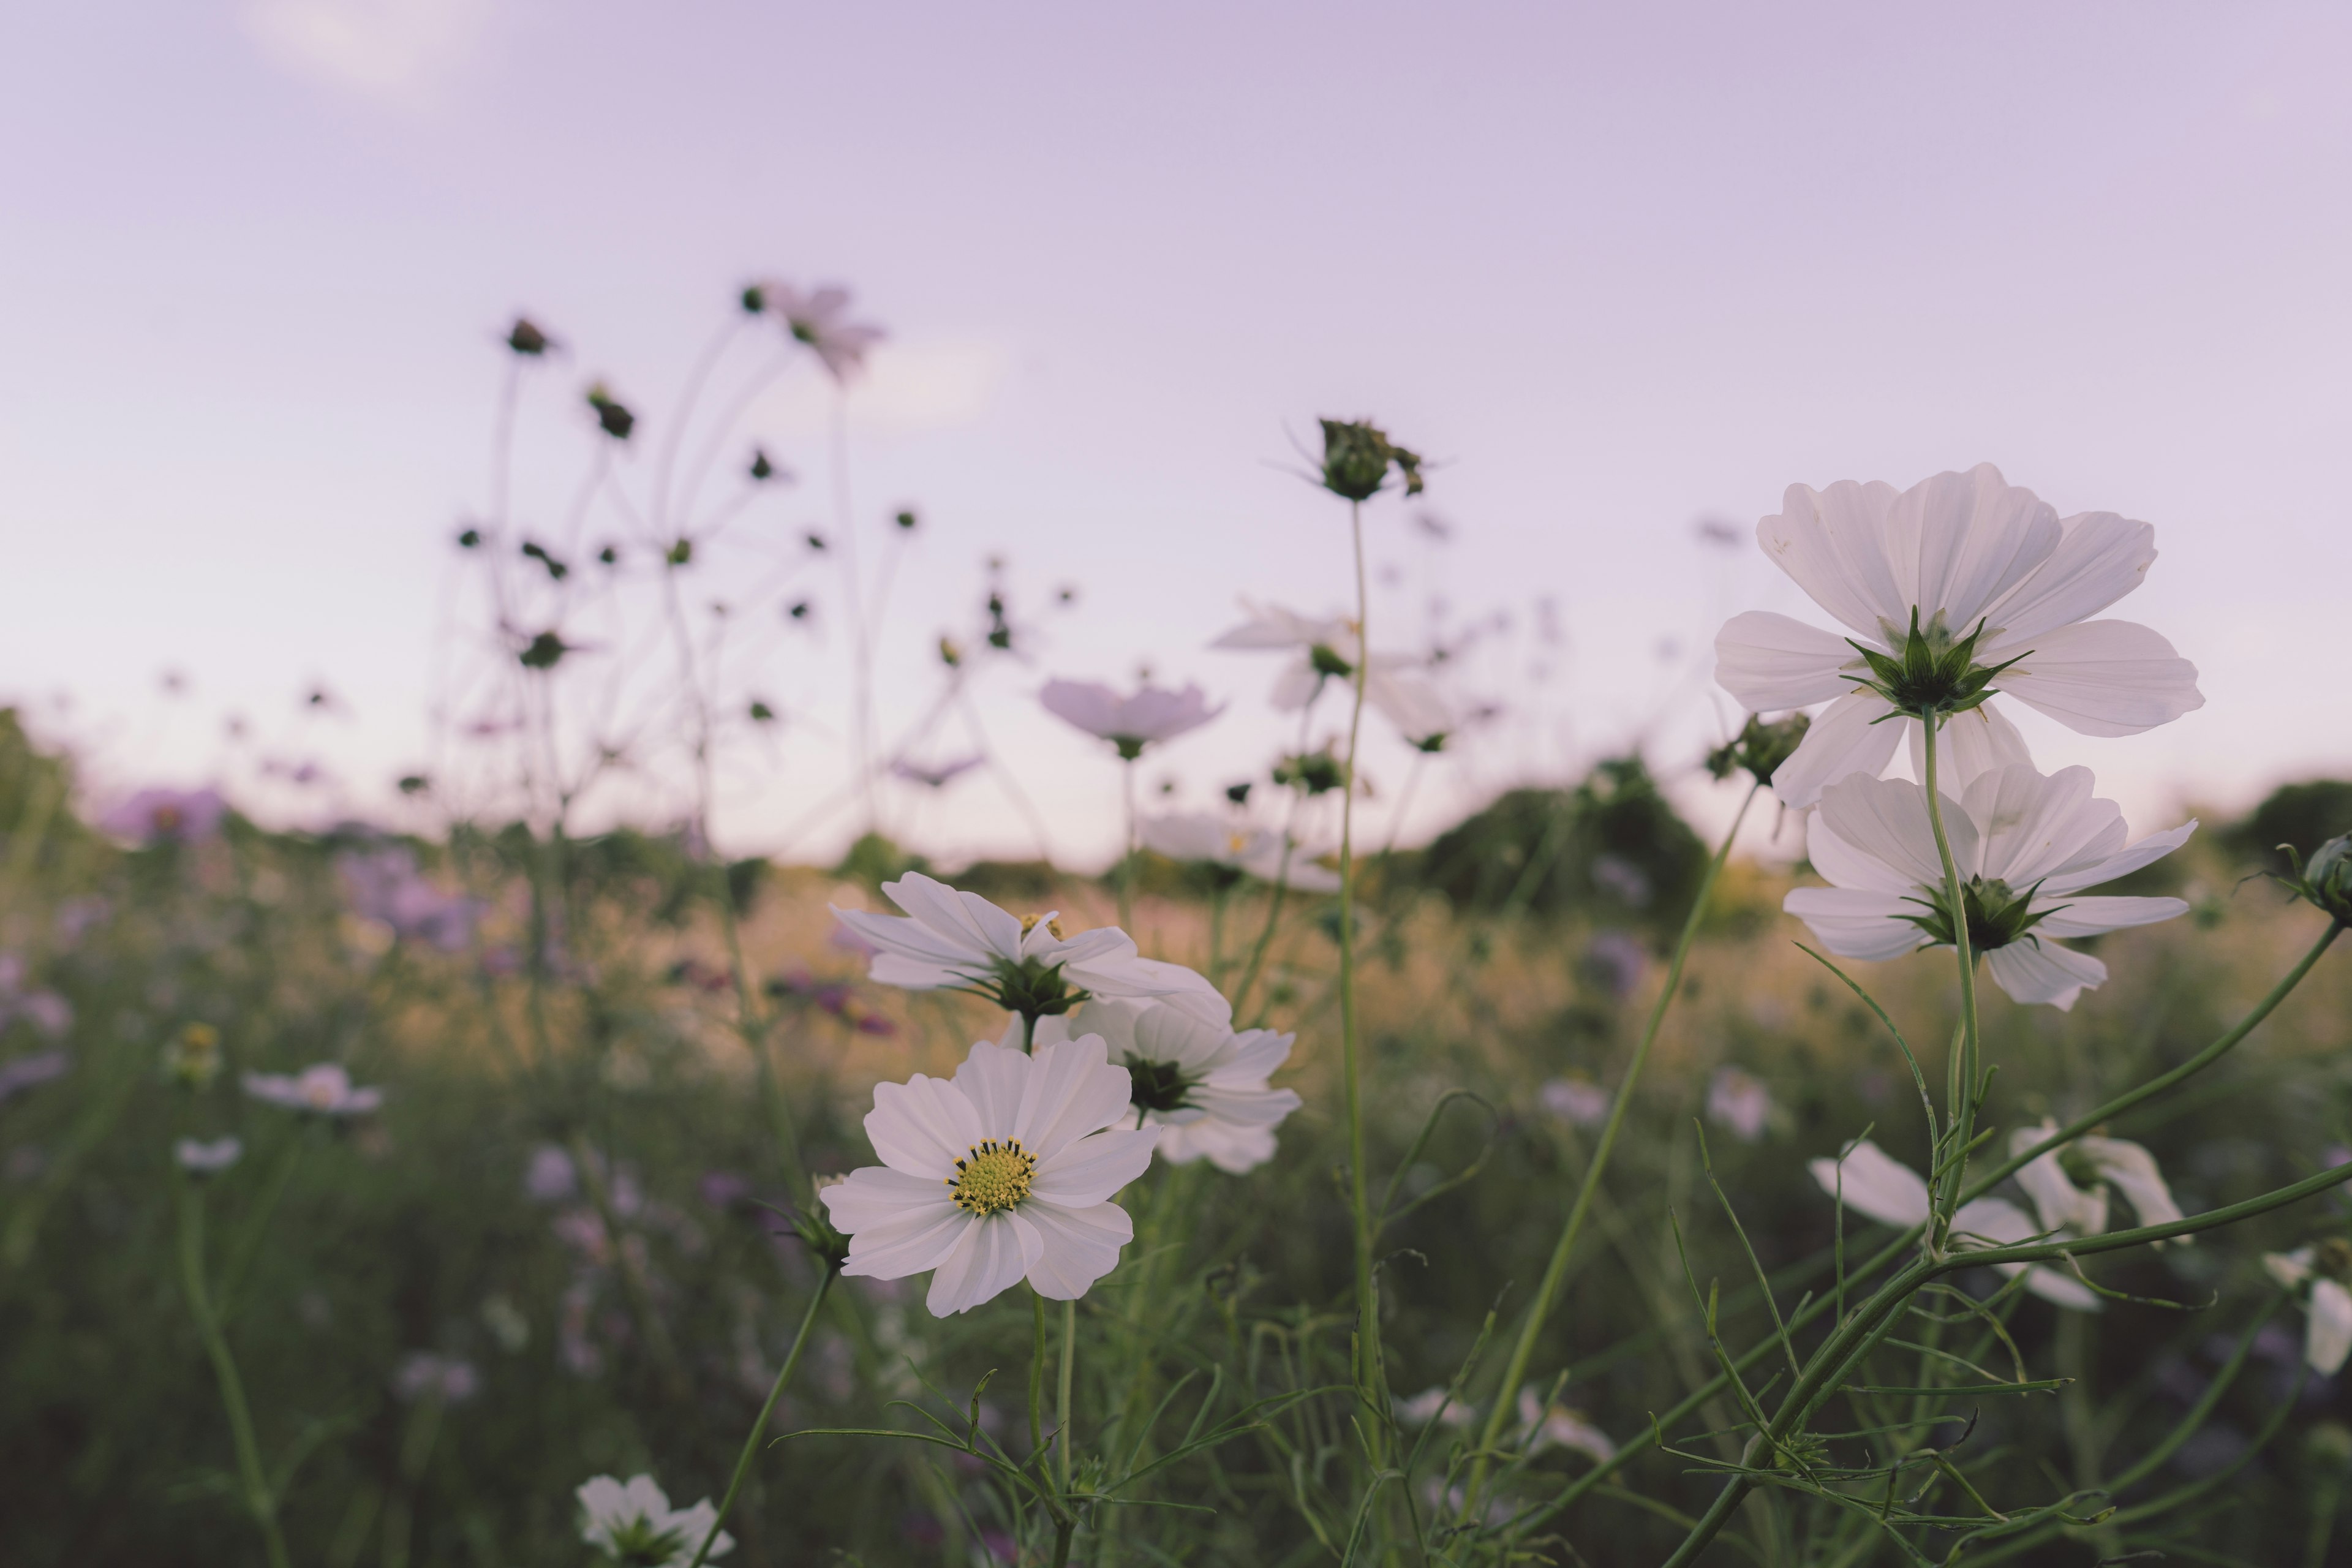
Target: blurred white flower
[[961, 942], [1560, 1427], [1004, 1171], [421, 1375], [1576, 1100], [1739, 1101], [1435, 1405], [2025, 845], [1130, 723], [550, 1177], [384, 886], [166, 816], [634, 1525], [323, 1089], [1873, 1183], [207, 1159], [1395, 686], [1203, 1084], [2101, 1162], [1950, 554], [21, 1073], [1204, 839], [819, 318], [2327, 1308]]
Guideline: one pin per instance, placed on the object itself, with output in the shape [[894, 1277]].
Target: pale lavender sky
[[1621, 266]]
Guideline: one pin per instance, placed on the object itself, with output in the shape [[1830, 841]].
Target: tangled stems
[[259, 1500], [1556, 1271], [759, 1424], [1369, 1380]]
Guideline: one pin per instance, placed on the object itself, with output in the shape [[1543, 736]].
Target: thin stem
[[632, 1280], [1127, 852], [861, 695], [1069, 1362], [1960, 1112], [759, 1425], [1037, 1374], [1369, 1376], [259, 1500], [1556, 1270]]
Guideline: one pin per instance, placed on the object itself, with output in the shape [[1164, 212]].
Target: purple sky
[[1622, 267]]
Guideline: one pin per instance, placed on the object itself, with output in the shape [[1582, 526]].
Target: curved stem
[[1370, 1394], [751, 1440], [1556, 1270], [259, 1500]]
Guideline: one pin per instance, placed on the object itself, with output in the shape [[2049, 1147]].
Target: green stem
[[759, 1424], [259, 1500], [1959, 1112], [1369, 1376], [1126, 857], [1037, 1374], [1556, 1270], [1069, 1362], [633, 1282]]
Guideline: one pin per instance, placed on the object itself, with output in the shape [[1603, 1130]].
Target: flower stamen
[[994, 1177]]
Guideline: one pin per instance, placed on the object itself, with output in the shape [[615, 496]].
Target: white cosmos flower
[[633, 1524], [2025, 845], [1560, 1427], [1739, 1101], [1436, 1405], [1203, 1085], [819, 317], [1129, 722], [1258, 852], [323, 1089], [2328, 1330], [962, 941], [1959, 549], [202, 1158], [1874, 1183], [2102, 1163], [1005, 1170], [1326, 649]]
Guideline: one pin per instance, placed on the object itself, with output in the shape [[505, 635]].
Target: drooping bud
[[2324, 881], [612, 416], [1759, 748], [1357, 456]]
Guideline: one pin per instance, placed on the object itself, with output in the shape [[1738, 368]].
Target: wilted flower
[[2328, 1306], [2025, 845], [1557, 1426], [1130, 723], [961, 942], [1738, 1101], [819, 318], [26, 1072], [1328, 648], [1357, 456], [194, 1055], [2099, 1163], [1004, 1171], [421, 1375], [199, 1158], [1871, 1182], [1961, 580], [634, 1526], [1202, 1083], [323, 1089], [1576, 1100], [166, 816], [1236, 850]]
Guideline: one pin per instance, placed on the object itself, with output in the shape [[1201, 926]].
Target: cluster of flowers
[[1006, 1169]]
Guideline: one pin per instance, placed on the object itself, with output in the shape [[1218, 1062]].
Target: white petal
[[2056, 1199], [2133, 1171], [990, 1257], [1072, 1090], [1162, 1034], [2059, 1289], [1410, 703], [1295, 687], [1874, 1183], [877, 1194], [923, 1126], [961, 920], [1770, 662], [2327, 1338], [1844, 866], [919, 1239], [2107, 869], [1089, 705], [1079, 1246], [896, 936], [2099, 559], [2034, 823], [1957, 543], [1172, 983], [2104, 677], [2082, 916], [1832, 543], [2045, 972], [1843, 740], [1253, 1105], [1255, 1053], [1233, 1149], [1090, 1170], [1856, 923], [1886, 820], [995, 1077], [1978, 742], [2290, 1269]]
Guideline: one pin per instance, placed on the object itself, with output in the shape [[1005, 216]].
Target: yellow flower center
[[1029, 923], [994, 1177]]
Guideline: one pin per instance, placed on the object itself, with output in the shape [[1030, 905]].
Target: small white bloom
[[1203, 1084], [2104, 1163], [635, 1525], [2025, 845], [962, 941], [323, 1089], [1576, 1100], [207, 1159], [1004, 1171], [819, 318], [1873, 1183], [1740, 1102], [1560, 1427], [2328, 1327], [1435, 1405], [1259, 852], [1152, 714], [1327, 648], [421, 1375], [1956, 552]]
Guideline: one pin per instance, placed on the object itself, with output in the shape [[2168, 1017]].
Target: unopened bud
[[1759, 748], [612, 416], [1357, 456], [2325, 879], [525, 338]]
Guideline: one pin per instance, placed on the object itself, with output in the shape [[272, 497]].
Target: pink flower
[[1129, 723]]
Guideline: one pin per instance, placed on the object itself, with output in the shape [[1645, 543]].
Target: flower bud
[[1759, 748], [815, 1230], [193, 1056], [525, 338], [612, 416], [1357, 456], [543, 651], [2325, 879]]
